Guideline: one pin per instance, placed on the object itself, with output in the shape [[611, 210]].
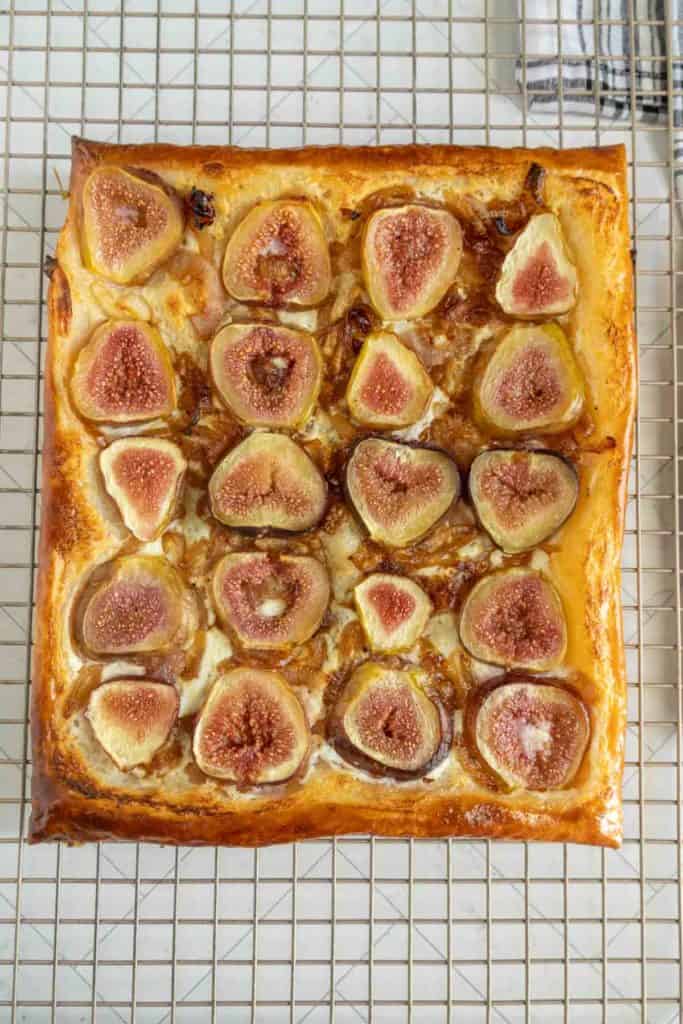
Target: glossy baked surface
[[337, 775]]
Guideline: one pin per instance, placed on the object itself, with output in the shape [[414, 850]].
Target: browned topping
[[409, 247], [385, 390], [531, 386], [247, 732], [517, 490], [539, 283], [126, 375], [146, 474], [517, 620], [393, 604], [128, 215], [50, 264], [201, 207]]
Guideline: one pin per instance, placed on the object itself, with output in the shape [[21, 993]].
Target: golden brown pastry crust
[[587, 190]]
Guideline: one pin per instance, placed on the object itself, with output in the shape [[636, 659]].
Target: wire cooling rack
[[354, 929]]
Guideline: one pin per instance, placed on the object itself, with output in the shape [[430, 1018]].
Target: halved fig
[[132, 719], [522, 497], [252, 729], [131, 224], [393, 611], [385, 723], [140, 606], [267, 482], [389, 386], [514, 618], [532, 734], [410, 257], [399, 491], [278, 255], [531, 383], [269, 376], [538, 277], [268, 600], [144, 476], [123, 374]]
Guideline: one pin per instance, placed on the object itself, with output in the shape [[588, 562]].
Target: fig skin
[[526, 746], [539, 262], [531, 383], [522, 497], [278, 256], [389, 387], [245, 583], [373, 690], [137, 604], [267, 375], [415, 488], [126, 213], [144, 477], [123, 374], [268, 483], [514, 618], [410, 256], [404, 600], [132, 719], [252, 729]]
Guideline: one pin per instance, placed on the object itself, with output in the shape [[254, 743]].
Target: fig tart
[[334, 476]]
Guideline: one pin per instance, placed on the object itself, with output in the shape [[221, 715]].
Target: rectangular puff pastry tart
[[336, 448]]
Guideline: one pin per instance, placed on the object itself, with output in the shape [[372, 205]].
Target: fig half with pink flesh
[[132, 719], [144, 476], [399, 491], [410, 257], [252, 729], [131, 224], [533, 735], [141, 606], [267, 482], [267, 375], [538, 277], [514, 618], [123, 374], [278, 255], [270, 601], [389, 387], [393, 611], [385, 723], [522, 497], [531, 383]]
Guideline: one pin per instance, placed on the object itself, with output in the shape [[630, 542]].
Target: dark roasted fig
[[410, 257], [132, 719], [278, 255], [385, 723], [531, 383], [389, 386], [202, 288], [267, 482], [141, 606], [123, 374], [252, 729], [270, 601], [538, 277], [131, 224], [269, 376], [399, 491], [393, 611], [144, 476], [514, 618], [522, 497], [532, 734]]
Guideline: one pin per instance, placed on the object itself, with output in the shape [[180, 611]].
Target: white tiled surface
[[336, 930]]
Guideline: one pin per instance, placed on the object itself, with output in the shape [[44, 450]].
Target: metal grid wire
[[352, 929]]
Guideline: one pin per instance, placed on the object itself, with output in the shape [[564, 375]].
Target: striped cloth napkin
[[630, 37]]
